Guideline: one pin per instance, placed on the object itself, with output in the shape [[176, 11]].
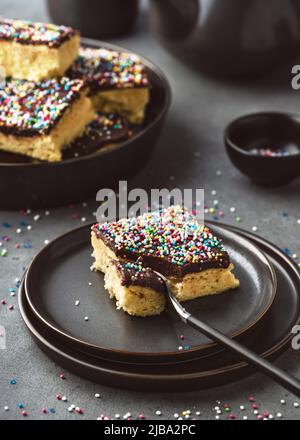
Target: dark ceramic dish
[[247, 135], [269, 339], [28, 184], [64, 266]]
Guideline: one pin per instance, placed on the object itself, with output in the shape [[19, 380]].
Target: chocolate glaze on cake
[[134, 274], [106, 129], [28, 108], [170, 241], [104, 69], [28, 32]]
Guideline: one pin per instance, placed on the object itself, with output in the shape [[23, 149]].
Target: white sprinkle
[[46, 242], [271, 417], [86, 318], [282, 401], [198, 413], [47, 213], [73, 406], [279, 415], [216, 202], [97, 395], [64, 399], [28, 211], [12, 294], [296, 405], [187, 416], [298, 221], [217, 417], [255, 412], [176, 415], [179, 418], [77, 303], [90, 284], [254, 228], [219, 411], [70, 409], [295, 256], [214, 192], [29, 227], [242, 408], [158, 413], [36, 217], [6, 408], [180, 348], [245, 418], [217, 408], [117, 416], [219, 173], [83, 219], [19, 231], [232, 209]]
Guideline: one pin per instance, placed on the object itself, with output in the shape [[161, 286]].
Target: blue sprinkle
[[52, 410], [6, 225], [287, 251], [27, 246], [13, 382], [285, 214], [23, 223], [20, 405]]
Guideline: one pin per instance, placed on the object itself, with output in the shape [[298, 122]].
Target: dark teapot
[[229, 37]]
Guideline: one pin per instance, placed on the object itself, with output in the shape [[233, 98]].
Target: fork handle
[[286, 380]]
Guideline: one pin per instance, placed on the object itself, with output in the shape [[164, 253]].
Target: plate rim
[[241, 366], [146, 355], [162, 113]]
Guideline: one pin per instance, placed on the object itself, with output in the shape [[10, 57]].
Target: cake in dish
[[118, 81], [38, 119], [105, 130], [36, 51], [171, 242]]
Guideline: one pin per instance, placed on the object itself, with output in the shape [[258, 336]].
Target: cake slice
[[118, 81], [169, 241], [40, 119], [137, 290], [36, 51]]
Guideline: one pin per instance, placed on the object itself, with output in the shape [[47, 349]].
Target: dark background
[[190, 154]]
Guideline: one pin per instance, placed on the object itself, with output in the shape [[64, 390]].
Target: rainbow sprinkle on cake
[[28, 108], [105, 69], [170, 241], [28, 32]]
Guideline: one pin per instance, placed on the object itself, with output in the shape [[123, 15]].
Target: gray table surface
[[190, 154]]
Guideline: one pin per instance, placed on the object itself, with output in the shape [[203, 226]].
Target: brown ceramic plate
[[211, 371], [60, 275]]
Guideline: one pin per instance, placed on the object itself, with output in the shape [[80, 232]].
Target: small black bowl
[[27, 183], [265, 147]]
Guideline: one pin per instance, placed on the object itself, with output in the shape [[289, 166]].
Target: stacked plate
[[70, 315]]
